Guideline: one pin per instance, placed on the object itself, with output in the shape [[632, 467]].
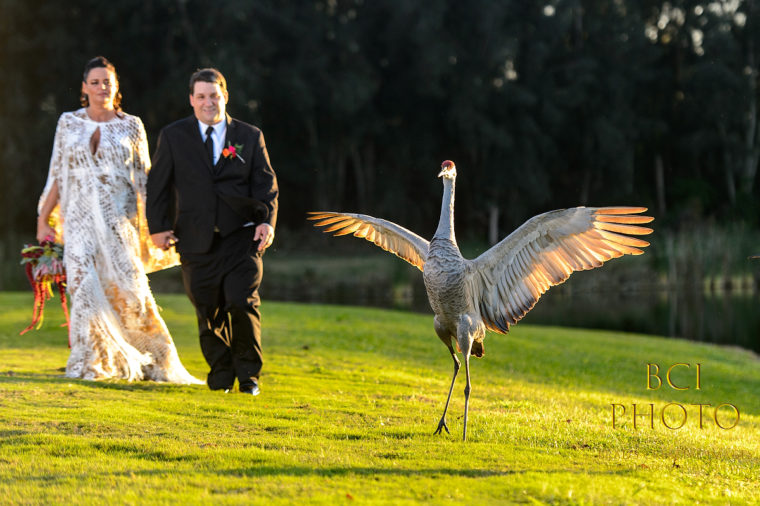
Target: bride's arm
[[51, 195], [44, 229]]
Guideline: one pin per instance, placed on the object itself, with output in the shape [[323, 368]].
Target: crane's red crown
[[448, 169]]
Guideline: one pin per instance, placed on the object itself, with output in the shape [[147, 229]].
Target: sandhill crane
[[500, 286]]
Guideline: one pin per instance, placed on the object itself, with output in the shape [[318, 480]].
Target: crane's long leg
[[468, 329], [457, 365], [466, 392]]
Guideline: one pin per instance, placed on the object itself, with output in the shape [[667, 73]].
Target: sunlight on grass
[[350, 399]]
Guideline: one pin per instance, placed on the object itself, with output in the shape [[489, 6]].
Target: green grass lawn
[[350, 400]]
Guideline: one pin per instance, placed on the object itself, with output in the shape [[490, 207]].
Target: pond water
[[726, 318]]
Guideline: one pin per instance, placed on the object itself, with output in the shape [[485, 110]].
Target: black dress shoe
[[254, 390]]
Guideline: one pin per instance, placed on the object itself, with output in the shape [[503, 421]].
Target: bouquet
[[44, 268]]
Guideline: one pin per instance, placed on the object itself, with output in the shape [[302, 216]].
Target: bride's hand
[[44, 230]]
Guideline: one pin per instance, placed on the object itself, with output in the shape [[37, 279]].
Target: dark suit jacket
[[226, 196]]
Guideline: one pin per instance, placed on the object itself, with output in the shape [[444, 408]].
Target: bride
[[94, 202]]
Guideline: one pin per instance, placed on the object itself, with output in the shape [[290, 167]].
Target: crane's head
[[448, 170]]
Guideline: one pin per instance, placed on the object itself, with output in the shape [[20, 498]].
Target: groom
[[212, 193]]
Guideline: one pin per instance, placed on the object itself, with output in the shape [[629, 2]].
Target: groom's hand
[[164, 240], [265, 233]]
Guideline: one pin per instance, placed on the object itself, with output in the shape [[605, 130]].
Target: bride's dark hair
[[100, 62]]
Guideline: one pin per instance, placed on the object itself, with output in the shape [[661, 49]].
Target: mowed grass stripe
[[350, 399]]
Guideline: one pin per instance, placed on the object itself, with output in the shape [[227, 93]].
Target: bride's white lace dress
[[115, 329]]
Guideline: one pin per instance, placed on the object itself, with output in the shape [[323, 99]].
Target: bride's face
[[100, 87]]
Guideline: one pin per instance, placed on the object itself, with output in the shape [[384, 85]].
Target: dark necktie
[[210, 144]]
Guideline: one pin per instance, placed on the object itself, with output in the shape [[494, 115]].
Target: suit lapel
[[230, 139]]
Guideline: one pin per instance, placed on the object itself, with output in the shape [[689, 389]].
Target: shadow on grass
[[373, 471], [330, 472], [11, 377]]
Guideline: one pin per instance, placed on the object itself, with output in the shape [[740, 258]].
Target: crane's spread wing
[[509, 278], [389, 236]]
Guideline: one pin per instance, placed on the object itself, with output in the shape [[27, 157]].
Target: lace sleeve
[[56, 173], [153, 258]]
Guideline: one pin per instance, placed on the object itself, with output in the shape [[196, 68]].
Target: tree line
[[541, 104]]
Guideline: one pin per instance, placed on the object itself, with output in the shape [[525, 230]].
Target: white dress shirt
[[217, 136]]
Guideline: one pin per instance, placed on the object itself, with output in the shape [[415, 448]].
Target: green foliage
[[541, 104], [350, 400]]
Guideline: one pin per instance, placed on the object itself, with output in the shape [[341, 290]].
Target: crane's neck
[[446, 223]]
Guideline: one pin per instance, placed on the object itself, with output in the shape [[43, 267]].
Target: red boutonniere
[[233, 152], [44, 268]]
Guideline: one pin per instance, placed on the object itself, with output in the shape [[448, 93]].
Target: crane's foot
[[442, 425]]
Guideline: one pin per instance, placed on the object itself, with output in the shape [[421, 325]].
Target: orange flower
[[231, 152]]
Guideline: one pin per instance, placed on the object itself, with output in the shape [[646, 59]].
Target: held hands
[[167, 239], [265, 232], [164, 240]]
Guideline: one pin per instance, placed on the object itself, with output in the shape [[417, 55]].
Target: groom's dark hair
[[208, 75]]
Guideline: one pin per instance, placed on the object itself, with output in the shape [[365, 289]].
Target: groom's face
[[208, 101]]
